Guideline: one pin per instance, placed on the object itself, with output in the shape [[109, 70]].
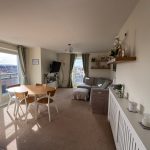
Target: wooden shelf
[[98, 61], [121, 60], [100, 68]]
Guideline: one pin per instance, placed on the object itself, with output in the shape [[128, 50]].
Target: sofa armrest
[[99, 100]]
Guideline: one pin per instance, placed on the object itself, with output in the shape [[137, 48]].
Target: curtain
[[22, 62], [85, 59], [72, 59]]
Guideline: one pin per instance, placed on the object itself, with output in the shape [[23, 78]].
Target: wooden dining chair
[[12, 97], [48, 99], [23, 99]]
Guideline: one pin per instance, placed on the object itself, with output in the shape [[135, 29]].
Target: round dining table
[[32, 89]]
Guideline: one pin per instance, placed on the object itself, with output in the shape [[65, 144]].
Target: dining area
[[72, 128], [35, 95]]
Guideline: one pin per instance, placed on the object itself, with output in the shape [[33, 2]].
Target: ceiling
[[89, 25]]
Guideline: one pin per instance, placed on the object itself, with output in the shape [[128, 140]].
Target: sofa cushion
[[84, 86], [98, 81], [88, 80], [106, 84], [97, 86]]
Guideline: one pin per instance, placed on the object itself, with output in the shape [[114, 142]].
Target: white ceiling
[[89, 25]]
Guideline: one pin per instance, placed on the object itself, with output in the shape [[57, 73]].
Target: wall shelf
[[121, 60], [98, 61], [100, 68]]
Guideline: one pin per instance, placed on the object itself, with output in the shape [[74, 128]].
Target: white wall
[[136, 75], [64, 71], [47, 57], [98, 72], [34, 72]]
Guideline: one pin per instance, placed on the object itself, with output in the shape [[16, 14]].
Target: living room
[[91, 29]]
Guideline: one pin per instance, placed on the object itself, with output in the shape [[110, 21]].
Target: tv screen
[[55, 67]]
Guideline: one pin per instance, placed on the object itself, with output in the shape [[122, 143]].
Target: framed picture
[[35, 61]]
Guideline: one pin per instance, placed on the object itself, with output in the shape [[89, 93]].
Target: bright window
[[8, 70], [78, 71]]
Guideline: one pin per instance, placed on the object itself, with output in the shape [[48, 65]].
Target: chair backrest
[[13, 86], [11, 94], [21, 95], [51, 93]]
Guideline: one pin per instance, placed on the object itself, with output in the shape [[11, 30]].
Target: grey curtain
[[85, 59], [72, 59], [22, 62]]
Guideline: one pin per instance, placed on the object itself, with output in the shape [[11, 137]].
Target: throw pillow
[[106, 84]]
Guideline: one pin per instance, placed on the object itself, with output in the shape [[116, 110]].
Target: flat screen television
[[55, 67]]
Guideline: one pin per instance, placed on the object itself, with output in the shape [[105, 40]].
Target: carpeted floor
[[75, 127]]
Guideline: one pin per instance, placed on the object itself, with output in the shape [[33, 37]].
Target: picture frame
[[35, 61]]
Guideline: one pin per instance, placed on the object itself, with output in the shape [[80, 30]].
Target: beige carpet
[[75, 127]]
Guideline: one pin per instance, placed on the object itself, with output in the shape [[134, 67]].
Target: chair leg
[[21, 109], [17, 111], [49, 114], [8, 104], [37, 110], [27, 105], [56, 107]]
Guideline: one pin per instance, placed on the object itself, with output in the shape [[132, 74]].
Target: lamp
[[69, 49]]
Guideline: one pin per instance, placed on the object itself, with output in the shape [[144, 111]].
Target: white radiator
[[127, 132]]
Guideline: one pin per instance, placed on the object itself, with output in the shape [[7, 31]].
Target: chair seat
[[44, 100], [29, 100]]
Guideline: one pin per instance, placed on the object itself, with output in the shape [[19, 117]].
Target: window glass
[[8, 70], [78, 71]]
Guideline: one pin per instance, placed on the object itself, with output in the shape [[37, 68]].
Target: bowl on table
[[146, 120]]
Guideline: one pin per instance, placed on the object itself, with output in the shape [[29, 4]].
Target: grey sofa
[[98, 91], [95, 82]]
